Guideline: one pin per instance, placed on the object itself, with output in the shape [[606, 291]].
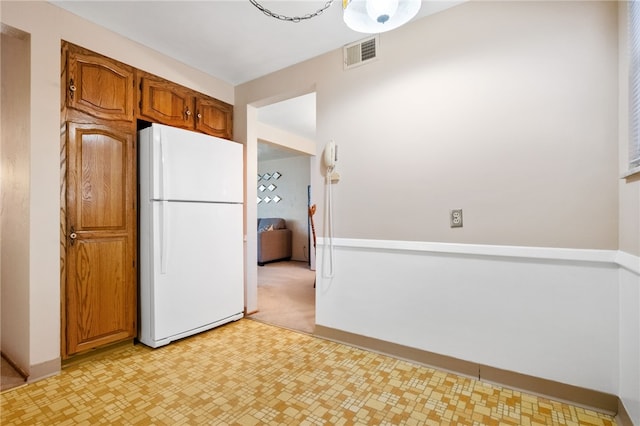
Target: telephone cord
[[329, 231]]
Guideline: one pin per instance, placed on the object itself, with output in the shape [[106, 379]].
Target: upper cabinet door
[[99, 86], [164, 102], [214, 117]]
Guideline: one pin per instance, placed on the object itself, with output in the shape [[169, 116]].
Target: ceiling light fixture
[[378, 16], [364, 16], [267, 12]]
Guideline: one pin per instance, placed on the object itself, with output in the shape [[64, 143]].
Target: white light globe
[[381, 10], [363, 17]]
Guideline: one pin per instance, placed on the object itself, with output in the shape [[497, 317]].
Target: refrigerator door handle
[[164, 236], [163, 169]]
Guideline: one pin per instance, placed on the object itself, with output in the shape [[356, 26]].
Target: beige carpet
[[286, 296], [9, 378]]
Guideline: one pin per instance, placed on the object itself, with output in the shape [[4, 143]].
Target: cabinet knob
[[72, 88], [199, 116], [187, 113], [73, 235]]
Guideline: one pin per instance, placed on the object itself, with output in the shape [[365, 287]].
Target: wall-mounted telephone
[[331, 154], [330, 159]]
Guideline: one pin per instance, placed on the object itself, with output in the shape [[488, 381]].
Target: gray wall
[[493, 107]]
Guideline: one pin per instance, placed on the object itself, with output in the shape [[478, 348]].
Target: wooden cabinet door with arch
[[100, 288], [99, 86], [164, 102], [214, 117]]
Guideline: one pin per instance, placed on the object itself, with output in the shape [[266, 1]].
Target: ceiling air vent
[[360, 52]]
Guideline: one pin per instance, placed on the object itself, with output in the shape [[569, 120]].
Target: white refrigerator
[[191, 233]]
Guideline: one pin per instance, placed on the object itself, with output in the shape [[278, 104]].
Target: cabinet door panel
[[166, 103], [99, 86], [214, 117], [100, 297]]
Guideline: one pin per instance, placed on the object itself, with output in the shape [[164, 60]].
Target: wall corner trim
[[623, 418], [628, 261]]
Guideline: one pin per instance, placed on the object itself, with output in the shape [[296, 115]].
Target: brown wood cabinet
[[162, 101], [101, 101], [98, 201], [100, 296], [214, 117], [99, 86]]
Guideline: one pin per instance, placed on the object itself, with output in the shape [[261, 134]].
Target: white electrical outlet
[[455, 216]]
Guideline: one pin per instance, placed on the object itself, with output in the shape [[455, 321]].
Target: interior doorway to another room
[[286, 293]]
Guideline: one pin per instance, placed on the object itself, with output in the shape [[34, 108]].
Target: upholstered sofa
[[274, 240]]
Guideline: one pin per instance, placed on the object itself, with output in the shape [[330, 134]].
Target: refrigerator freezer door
[[187, 166], [202, 283]]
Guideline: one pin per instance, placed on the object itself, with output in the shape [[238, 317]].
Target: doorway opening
[[286, 277]]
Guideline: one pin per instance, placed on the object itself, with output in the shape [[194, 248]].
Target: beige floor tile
[[250, 373]]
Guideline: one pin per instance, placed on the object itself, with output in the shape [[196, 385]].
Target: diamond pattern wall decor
[[266, 176]]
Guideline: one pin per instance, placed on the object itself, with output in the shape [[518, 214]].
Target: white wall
[[629, 241], [630, 339], [549, 313], [292, 188], [47, 25], [14, 216]]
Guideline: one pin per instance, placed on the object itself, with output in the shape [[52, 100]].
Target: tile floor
[[249, 373]]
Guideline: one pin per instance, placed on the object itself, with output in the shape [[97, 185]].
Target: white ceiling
[[229, 39], [234, 41]]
